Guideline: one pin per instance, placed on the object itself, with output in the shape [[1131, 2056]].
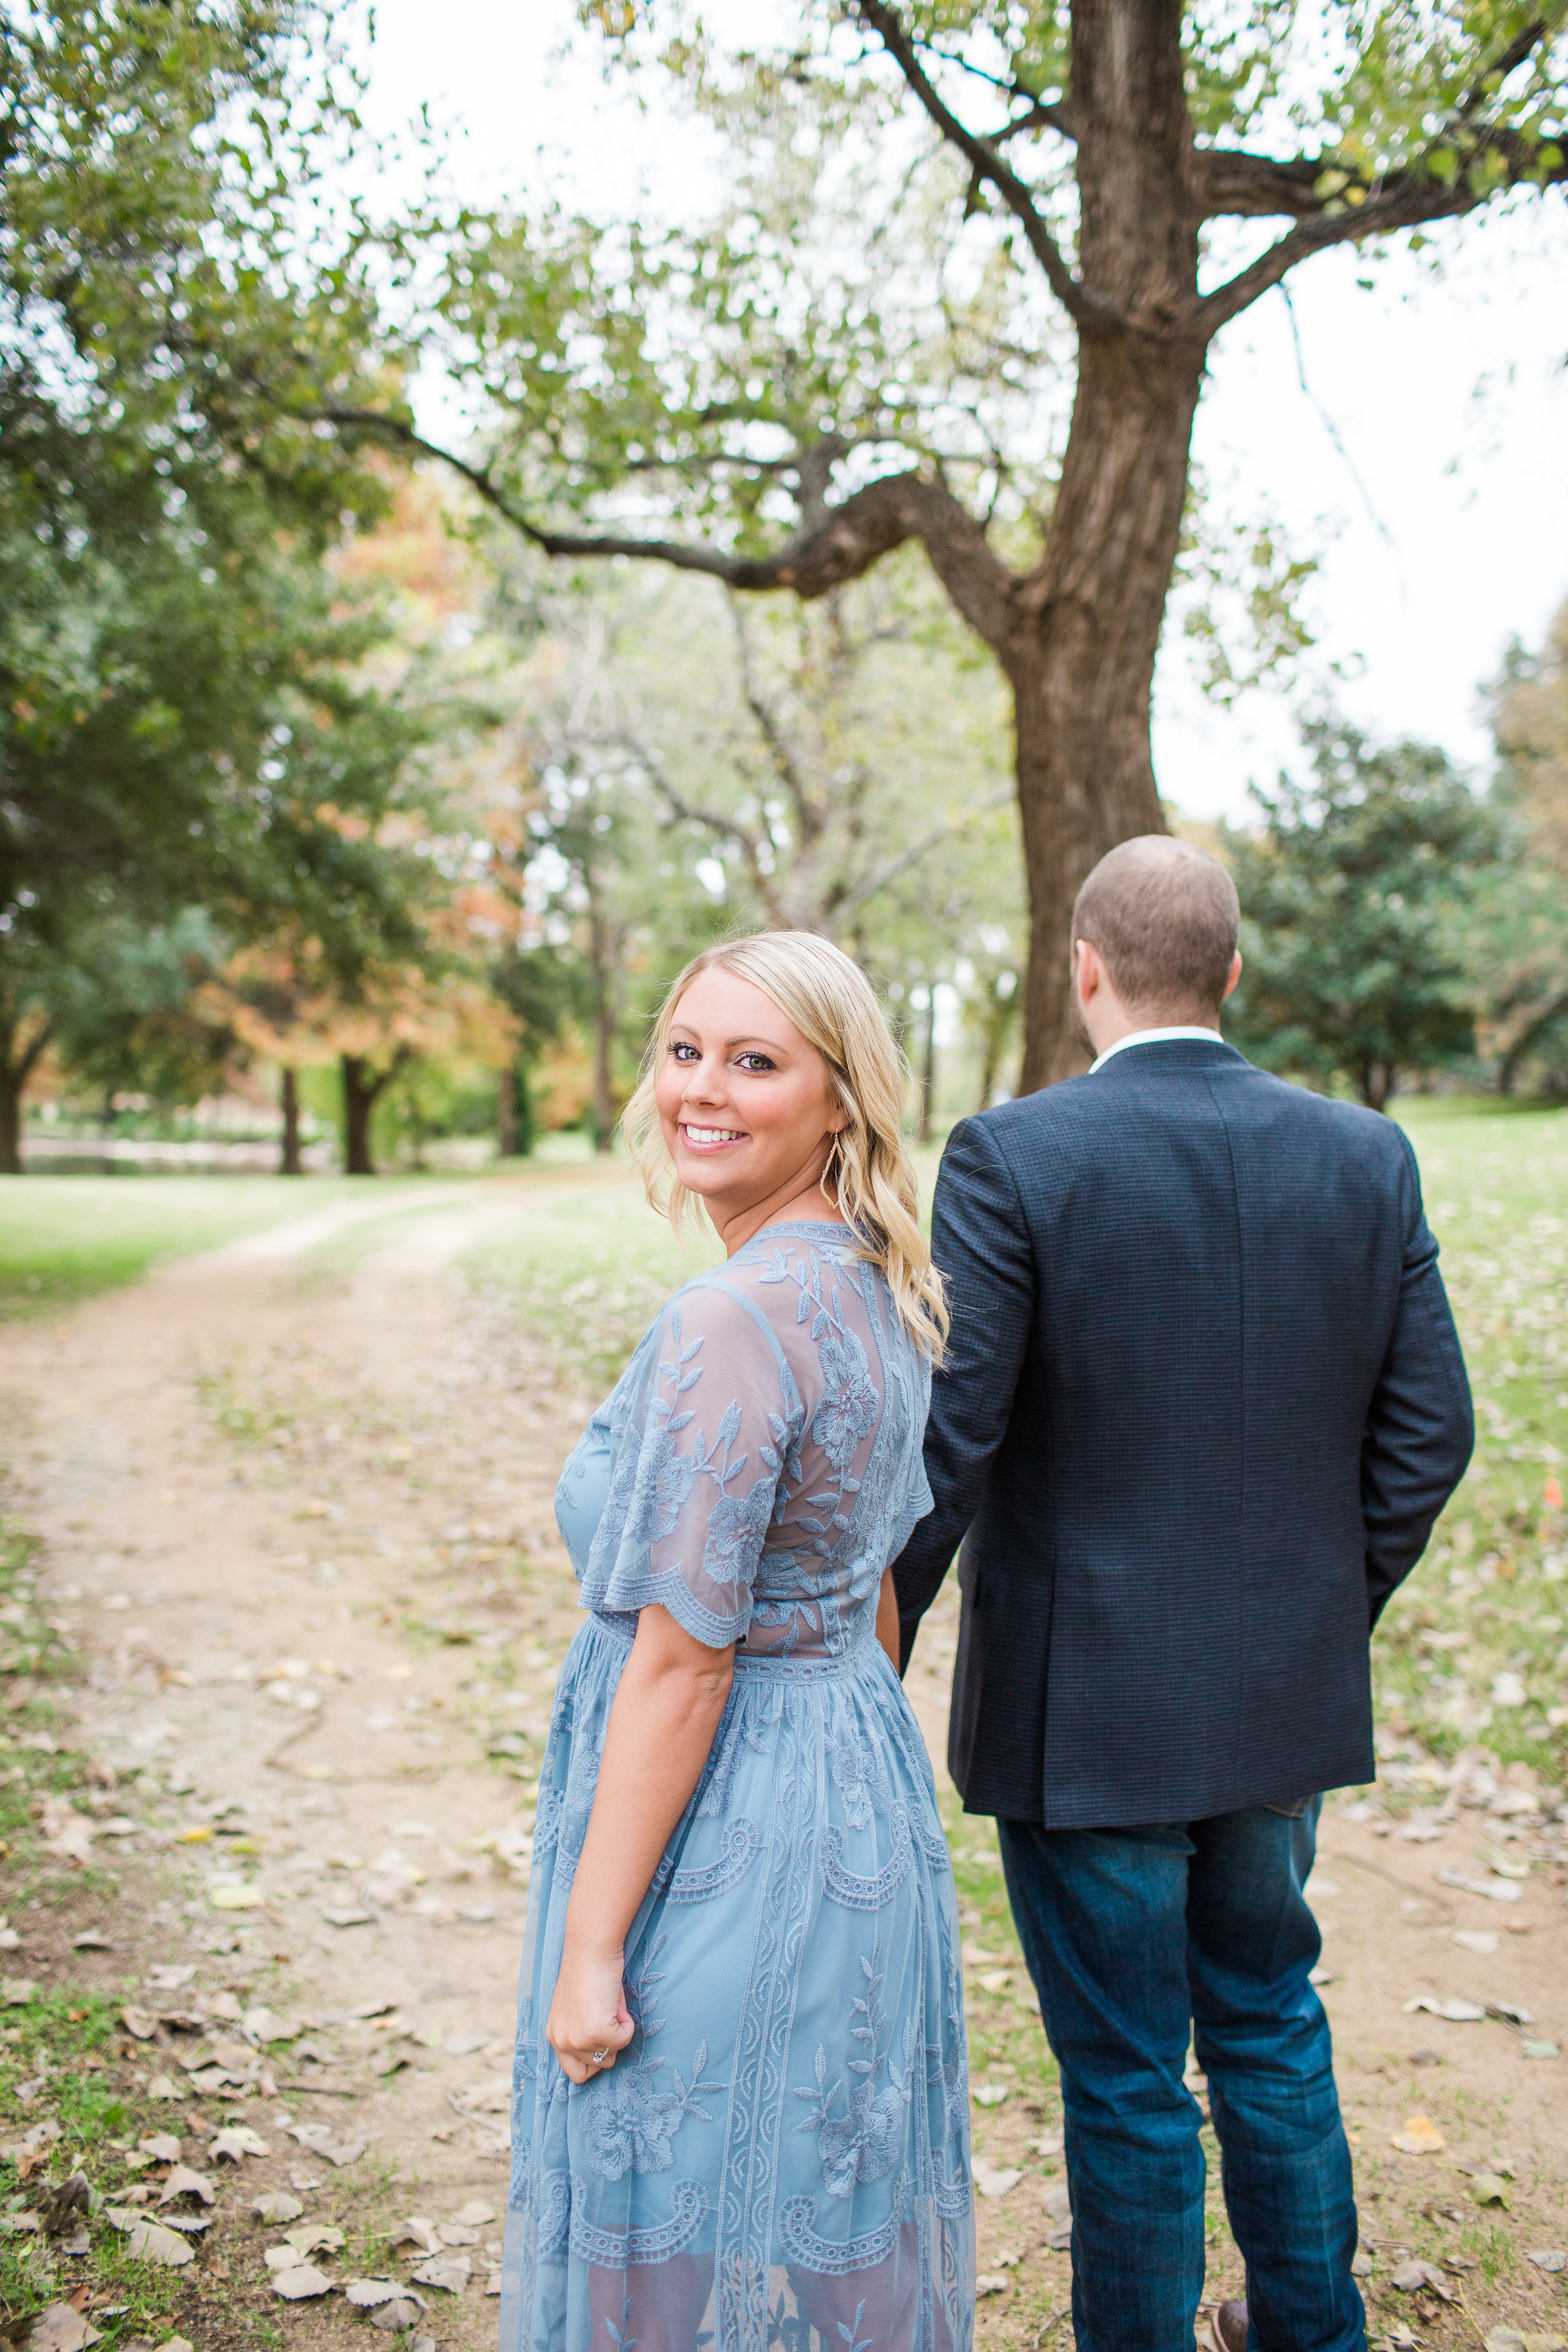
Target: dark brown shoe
[[1229, 2325]]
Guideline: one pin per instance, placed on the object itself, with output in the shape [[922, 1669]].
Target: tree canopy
[[965, 291]]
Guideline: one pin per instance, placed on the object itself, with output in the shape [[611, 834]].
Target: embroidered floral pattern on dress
[[753, 1471], [861, 1780], [865, 2143]]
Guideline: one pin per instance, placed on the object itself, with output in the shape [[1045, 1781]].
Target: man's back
[[1203, 1401]]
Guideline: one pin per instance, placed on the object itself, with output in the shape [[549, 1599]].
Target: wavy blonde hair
[[868, 1175]]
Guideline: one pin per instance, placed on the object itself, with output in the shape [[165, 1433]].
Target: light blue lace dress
[[781, 2157]]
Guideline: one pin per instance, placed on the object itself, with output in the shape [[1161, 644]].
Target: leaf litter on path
[[1420, 2136], [450, 2273], [61, 2328], [1416, 2277], [277, 2205], [183, 2182], [302, 2283], [152, 2241]]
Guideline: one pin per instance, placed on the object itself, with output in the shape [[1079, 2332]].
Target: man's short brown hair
[[1164, 918]]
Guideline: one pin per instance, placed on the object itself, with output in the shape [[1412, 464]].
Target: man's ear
[[1235, 973], [1085, 968]]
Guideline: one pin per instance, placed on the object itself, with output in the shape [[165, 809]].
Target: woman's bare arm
[[666, 1711], [888, 1618]]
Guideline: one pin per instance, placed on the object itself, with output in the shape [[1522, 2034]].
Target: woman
[[741, 2100]]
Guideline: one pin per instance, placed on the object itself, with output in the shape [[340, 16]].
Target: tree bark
[[289, 1163], [928, 1070], [603, 945], [997, 1021], [506, 1112], [1375, 1083], [363, 1089], [1080, 661], [10, 1121], [17, 1063]]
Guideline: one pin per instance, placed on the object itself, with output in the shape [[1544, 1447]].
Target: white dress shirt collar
[[1153, 1038]]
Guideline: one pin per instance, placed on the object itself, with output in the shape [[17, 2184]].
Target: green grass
[[585, 1273], [1489, 1602], [66, 1238]]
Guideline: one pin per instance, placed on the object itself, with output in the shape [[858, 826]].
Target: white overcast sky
[[1436, 491]]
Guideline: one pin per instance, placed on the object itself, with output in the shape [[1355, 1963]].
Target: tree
[[181, 720], [1524, 939], [750, 402], [1358, 898], [185, 720]]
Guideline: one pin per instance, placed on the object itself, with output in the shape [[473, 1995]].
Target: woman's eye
[[755, 1062], [685, 1053]]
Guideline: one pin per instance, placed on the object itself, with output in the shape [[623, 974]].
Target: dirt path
[[297, 1521]]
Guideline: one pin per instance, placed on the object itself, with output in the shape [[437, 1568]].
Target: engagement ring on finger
[[599, 2056]]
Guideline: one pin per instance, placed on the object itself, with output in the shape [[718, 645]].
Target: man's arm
[[1420, 1428], [980, 1243]]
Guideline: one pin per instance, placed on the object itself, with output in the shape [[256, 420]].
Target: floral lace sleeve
[[712, 1428]]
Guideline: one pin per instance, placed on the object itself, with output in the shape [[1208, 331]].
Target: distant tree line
[[319, 779], [1399, 927]]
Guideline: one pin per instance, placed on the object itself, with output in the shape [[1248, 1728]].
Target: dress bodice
[[757, 1463]]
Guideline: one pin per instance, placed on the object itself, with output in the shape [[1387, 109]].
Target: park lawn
[[1471, 1651], [65, 1238]]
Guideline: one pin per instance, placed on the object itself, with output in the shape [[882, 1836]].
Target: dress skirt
[[780, 2159]]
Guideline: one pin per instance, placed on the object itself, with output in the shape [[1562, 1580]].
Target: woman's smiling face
[[745, 1102]]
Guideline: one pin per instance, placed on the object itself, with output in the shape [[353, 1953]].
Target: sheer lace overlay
[[780, 2158]]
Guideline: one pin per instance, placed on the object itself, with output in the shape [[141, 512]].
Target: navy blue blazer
[[1203, 1402]]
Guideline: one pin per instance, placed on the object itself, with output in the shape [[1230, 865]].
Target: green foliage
[[1473, 1647], [65, 1238], [126, 1016], [1356, 899], [187, 717]]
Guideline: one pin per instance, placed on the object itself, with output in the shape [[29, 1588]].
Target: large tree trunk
[[17, 1063], [506, 1112], [1083, 676], [289, 1163], [360, 1091], [10, 1121], [1082, 661]]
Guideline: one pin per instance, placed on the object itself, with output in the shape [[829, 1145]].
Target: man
[[1203, 1402]]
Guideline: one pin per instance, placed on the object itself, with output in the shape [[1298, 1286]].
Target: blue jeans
[[1129, 1936]]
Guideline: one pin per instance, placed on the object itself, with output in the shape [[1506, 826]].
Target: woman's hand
[[589, 2013]]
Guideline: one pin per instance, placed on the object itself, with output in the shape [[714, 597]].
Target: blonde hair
[[869, 1173]]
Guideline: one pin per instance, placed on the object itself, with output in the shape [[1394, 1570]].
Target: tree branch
[[1085, 309], [1233, 182], [1040, 117], [851, 537], [808, 818], [1041, 111], [1409, 200], [892, 867]]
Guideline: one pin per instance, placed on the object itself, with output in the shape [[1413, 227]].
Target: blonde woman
[[742, 2105]]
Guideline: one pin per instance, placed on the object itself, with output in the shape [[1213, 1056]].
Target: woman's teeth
[[712, 1134]]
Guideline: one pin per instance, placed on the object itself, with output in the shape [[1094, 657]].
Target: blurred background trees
[[335, 812]]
